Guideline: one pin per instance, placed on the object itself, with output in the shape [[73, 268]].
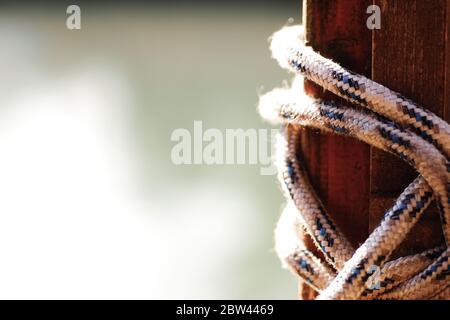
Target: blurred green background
[[94, 206]]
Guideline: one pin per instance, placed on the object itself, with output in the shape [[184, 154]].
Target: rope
[[381, 118]]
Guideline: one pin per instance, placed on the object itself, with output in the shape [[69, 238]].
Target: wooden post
[[409, 54], [339, 167]]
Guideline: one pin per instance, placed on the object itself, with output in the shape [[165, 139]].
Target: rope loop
[[381, 118]]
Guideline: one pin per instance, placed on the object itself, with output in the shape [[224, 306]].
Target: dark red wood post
[[409, 54]]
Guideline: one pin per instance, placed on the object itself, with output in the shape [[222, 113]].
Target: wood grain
[[447, 64], [409, 54], [409, 57], [339, 167]]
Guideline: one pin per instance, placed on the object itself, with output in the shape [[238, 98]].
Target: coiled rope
[[385, 120]]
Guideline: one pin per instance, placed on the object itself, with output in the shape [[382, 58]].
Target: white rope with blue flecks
[[387, 121]]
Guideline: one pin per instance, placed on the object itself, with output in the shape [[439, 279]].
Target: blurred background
[[91, 204]]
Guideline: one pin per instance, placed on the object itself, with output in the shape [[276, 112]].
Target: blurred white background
[[90, 204]]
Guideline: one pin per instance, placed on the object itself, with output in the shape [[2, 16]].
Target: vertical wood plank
[[409, 56], [339, 168], [447, 64]]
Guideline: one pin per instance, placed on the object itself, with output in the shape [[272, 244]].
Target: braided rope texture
[[381, 118]]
